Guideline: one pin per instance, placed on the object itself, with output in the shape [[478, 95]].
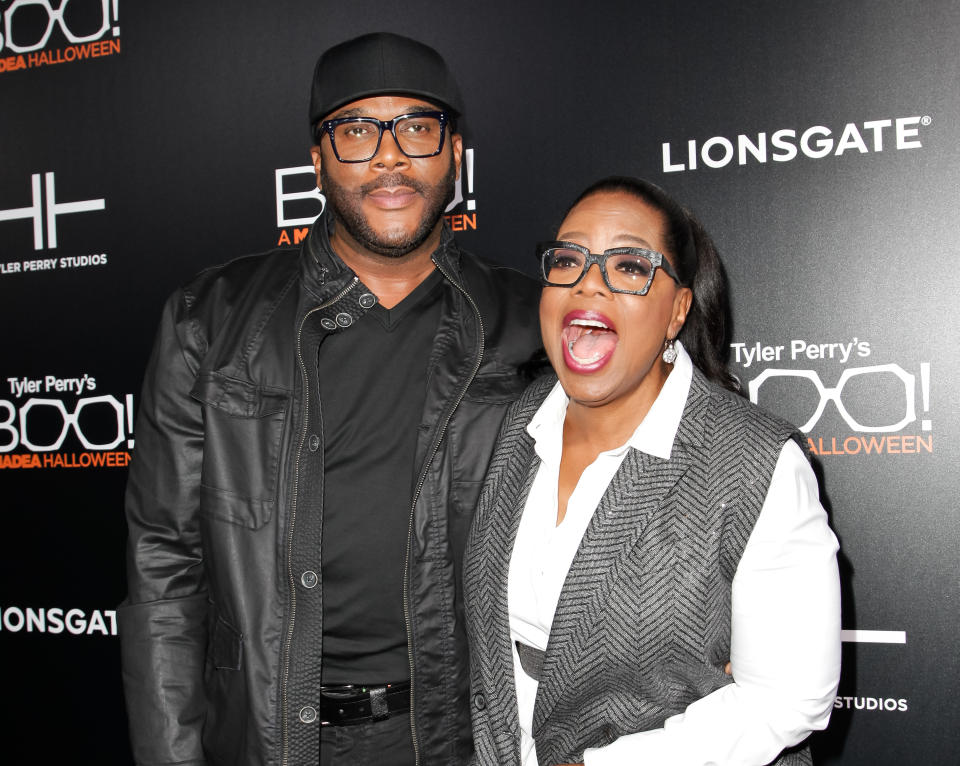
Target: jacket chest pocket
[[243, 432], [474, 427]]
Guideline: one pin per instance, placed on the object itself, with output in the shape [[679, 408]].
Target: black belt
[[531, 660], [353, 704]]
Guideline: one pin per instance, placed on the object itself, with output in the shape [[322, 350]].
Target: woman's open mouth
[[589, 340]]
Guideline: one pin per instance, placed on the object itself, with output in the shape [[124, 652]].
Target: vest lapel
[[491, 608]]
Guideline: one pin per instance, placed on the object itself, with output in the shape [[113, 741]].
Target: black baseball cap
[[379, 64]]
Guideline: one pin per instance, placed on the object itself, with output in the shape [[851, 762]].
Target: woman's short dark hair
[[705, 333]]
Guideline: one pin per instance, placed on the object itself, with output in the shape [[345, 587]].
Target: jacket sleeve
[[163, 621]]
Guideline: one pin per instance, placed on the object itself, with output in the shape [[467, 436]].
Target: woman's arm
[[785, 642]]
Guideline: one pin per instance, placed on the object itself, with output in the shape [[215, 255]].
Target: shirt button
[[308, 714], [479, 701], [309, 579], [313, 443], [344, 319], [367, 300], [328, 324]]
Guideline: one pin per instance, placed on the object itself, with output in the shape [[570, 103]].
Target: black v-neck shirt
[[373, 379]]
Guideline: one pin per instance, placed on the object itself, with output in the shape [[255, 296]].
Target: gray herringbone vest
[[642, 628]]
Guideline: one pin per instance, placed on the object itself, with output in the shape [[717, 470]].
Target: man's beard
[[346, 207]]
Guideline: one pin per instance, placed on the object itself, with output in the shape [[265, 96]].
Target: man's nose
[[389, 155]]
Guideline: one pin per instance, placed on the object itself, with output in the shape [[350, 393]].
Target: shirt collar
[[655, 434]]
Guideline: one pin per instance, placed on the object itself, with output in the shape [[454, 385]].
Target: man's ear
[[456, 141], [317, 157]]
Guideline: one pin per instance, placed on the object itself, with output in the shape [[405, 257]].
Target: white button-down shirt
[[785, 621]]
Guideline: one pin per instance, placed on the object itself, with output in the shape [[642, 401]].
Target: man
[[312, 435]]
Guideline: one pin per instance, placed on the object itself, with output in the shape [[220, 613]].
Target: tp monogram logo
[[52, 208]]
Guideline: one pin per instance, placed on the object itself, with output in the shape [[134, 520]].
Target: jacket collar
[[324, 272]]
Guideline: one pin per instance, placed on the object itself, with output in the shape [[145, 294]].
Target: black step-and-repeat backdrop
[[818, 141]]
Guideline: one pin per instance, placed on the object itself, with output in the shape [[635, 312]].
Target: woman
[[642, 525]]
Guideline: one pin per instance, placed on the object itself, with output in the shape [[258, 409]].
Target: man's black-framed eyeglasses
[[357, 139], [625, 269]]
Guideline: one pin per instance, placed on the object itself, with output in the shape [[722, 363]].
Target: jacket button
[[344, 319], [367, 300], [313, 443], [309, 579], [308, 714], [328, 324], [479, 701]]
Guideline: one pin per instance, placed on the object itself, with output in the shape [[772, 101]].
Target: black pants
[[384, 743]]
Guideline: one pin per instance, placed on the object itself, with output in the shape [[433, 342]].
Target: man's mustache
[[388, 180]]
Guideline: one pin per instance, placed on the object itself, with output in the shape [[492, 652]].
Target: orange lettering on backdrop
[[456, 222], [890, 444], [114, 459], [60, 55], [298, 236], [856, 445], [20, 461], [12, 63]]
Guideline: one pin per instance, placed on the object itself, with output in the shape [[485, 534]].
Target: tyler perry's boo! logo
[[34, 32], [876, 403], [38, 428], [870, 411], [299, 201]]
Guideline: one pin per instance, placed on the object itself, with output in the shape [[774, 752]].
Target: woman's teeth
[[592, 338]]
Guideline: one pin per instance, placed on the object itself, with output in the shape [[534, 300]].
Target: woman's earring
[[670, 353]]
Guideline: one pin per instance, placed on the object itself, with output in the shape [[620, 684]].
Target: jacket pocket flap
[[237, 398]]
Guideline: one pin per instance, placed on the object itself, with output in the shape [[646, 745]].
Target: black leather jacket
[[221, 630]]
